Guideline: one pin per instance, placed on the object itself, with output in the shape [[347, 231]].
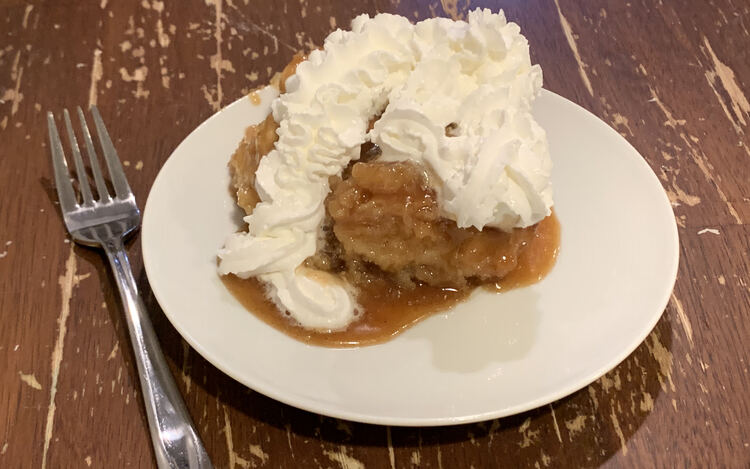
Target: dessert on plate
[[400, 168]]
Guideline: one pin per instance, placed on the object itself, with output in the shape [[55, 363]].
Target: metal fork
[[105, 222]]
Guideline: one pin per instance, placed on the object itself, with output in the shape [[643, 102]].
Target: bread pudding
[[400, 169]]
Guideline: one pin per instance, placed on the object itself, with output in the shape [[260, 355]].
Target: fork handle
[[176, 443]]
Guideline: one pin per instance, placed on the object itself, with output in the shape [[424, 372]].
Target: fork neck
[[118, 259], [114, 243]]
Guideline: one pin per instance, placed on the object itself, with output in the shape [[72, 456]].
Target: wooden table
[[672, 77]]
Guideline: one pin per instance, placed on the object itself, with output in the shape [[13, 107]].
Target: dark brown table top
[[672, 77]]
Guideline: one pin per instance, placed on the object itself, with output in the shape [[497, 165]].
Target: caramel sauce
[[255, 98], [537, 258], [388, 308]]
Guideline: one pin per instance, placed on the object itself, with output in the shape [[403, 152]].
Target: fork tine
[[101, 187], [64, 187], [83, 180], [116, 172]]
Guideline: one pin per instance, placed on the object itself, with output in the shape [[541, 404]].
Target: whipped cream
[[492, 168]]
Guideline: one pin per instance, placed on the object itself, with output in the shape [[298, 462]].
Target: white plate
[[491, 356]]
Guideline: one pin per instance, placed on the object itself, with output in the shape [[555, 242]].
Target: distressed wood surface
[[672, 77]]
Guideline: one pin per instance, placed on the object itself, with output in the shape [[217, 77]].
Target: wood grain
[[672, 77]]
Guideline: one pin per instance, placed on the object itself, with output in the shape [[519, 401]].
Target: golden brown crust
[[257, 142], [385, 214]]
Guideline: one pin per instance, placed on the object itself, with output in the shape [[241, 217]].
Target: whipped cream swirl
[[455, 96]]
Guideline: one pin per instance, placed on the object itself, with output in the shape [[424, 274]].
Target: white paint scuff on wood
[[66, 281], [684, 321], [96, 75], [574, 47], [31, 380]]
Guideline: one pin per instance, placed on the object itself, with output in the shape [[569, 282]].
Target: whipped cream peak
[[465, 113], [453, 96]]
